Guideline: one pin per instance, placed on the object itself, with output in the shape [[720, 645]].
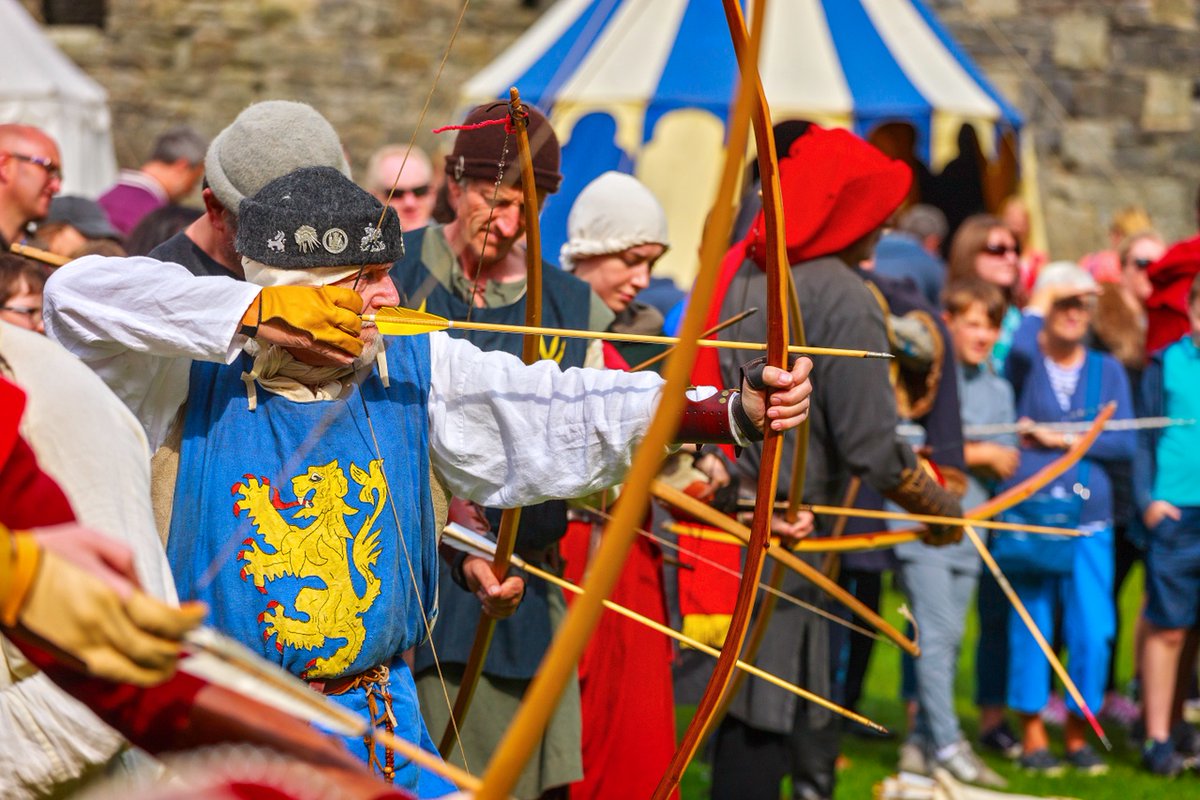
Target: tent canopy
[[645, 87], [40, 86]]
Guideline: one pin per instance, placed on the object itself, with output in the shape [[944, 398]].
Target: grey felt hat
[[316, 217], [267, 141]]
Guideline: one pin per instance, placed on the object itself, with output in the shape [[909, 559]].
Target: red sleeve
[[187, 712], [29, 498], [613, 358]]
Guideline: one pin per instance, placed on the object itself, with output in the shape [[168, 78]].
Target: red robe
[[625, 687]]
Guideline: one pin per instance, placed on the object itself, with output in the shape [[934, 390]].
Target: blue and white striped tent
[[644, 86]]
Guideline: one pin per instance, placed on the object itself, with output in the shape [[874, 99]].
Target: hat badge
[[306, 237], [372, 242], [335, 240]]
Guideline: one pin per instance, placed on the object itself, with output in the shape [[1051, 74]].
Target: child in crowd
[[942, 580], [975, 310], [1166, 482]]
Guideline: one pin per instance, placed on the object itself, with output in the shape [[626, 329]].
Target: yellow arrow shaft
[[405, 327], [904, 516]]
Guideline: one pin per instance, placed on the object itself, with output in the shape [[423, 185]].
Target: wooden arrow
[[397, 321]]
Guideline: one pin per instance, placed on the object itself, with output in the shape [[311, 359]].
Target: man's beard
[[372, 347]]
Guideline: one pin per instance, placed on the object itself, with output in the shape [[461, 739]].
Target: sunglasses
[[415, 191], [1077, 303], [52, 170], [1001, 249], [1143, 263]]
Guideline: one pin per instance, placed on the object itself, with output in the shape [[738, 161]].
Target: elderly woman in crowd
[[1057, 378]]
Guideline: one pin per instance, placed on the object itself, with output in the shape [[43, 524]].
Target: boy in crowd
[[974, 309], [1170, 495]]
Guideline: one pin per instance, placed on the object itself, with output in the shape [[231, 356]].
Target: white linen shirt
[[501, 433]]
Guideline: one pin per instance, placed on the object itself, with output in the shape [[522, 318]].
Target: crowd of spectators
[[1039, 346]]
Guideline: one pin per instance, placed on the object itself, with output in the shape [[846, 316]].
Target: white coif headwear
[[612, 213]]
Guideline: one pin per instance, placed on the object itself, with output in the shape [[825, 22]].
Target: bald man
[[415, 191], [30, 174]]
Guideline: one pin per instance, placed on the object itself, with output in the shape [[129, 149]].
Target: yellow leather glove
[[133, 639], [324, 319]]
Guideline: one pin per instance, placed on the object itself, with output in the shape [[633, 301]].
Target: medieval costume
[[837, 192], [307, 525]]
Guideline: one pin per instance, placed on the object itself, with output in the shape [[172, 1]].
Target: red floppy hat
[[836, 189]]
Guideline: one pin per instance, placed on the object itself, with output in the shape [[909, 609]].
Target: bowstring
[[487, 225], [412, 574], [462, 13], [412, 142]]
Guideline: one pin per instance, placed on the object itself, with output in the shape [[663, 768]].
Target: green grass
[[870, 762]]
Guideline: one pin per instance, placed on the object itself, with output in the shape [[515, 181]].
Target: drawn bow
[[560, 662], [510, 520]]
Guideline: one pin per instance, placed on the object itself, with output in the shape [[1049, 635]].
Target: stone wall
[[1110, 93], [1109, 88], [366, 64]]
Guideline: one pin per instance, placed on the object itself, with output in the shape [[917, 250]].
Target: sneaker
[[967, 767], [1160, 758], [1055, 712], [1086, 761], [1120, 709], [1186, 739], [1043, 762], [913, 758], [1002, 740]]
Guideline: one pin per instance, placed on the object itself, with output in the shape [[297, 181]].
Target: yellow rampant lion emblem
[[318, 550]]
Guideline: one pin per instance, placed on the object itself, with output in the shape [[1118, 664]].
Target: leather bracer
[[715, 417], [920, 492]]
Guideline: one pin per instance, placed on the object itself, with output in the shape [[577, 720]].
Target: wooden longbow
[[561, 659], [778, 276], [510, 519]]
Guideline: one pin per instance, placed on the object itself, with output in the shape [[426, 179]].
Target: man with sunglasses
[[30, 174], [414, 195]]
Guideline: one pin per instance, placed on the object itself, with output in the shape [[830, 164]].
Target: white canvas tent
[[644, 87], [40, 86]]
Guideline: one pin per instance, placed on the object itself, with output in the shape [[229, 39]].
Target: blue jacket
[[1025, 369]]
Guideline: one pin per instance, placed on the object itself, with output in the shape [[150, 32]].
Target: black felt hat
[[316, 217]]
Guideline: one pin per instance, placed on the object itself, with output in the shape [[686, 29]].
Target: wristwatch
[[1069, 440]]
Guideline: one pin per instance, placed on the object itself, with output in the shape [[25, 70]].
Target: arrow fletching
[[398, 321], [225, 662]]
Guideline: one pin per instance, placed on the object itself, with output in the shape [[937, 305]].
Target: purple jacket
[[134, 196]]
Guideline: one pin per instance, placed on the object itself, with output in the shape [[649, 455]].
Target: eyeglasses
[[1001, 249], [415, 191], [29, 311], [1143, 263], [52, 170]]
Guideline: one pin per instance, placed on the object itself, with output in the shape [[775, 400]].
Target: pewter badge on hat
[[306, 237], [372, 242], [459, 168], [335, 240], [276, 242]]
